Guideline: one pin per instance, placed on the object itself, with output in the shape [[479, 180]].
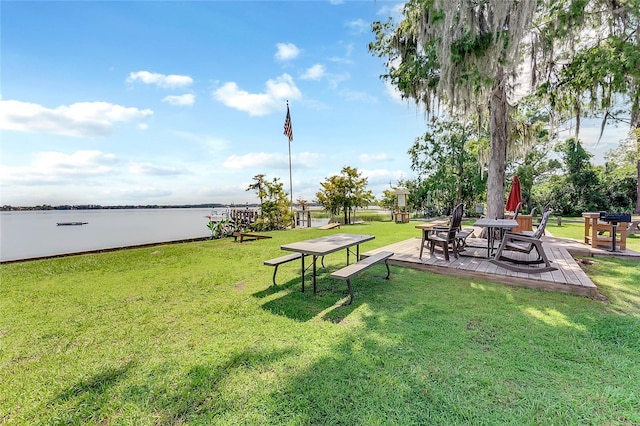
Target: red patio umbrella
[[515, 195]]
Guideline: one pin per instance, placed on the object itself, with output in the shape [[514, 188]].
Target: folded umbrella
[[515, 195]]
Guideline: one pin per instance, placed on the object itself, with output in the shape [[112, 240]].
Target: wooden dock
[[568, 278]]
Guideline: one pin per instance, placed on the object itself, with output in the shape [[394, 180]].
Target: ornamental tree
[[446, 159], [274, 204], [344, 192]]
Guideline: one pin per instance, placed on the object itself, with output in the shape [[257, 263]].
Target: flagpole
[[288, 131], [290, 181]]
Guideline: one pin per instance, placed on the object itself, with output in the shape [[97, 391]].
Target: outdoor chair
[[452, 236], [533, 218], [517, 211], [547, 207], [525, 244]]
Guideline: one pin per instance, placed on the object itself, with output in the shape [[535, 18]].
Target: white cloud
[[79, 119], [56, 167], [256, 160], [393, 92], [261, 160], [212, 143], [380, 179], [373, 158], [335, 79], [265, 103], [180, 100], [354, 96], [359, 25], [348, 51], [286, 51], [171, 81], [151, 169], [315, 72], [394, 11], [141, 193], [383, 176], [308, 160], [589, 135]]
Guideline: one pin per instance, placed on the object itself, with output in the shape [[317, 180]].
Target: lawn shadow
[[87, 396], [273, 289], [621, 331], [476, 358], [300, 306], [375, 369], [202, 392], [331, 298], [621, 288]]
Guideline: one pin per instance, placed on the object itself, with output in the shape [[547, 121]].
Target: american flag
[[288, 130]]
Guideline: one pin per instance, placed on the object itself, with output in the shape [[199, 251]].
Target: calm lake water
[[33, 234]]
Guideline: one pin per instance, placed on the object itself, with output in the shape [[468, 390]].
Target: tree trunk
[[459, 181], [498, 150], [638, 186], [635, 133], [635, 121]]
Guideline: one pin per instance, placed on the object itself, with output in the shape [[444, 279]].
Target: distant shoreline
[[122, 207], [6, 208]]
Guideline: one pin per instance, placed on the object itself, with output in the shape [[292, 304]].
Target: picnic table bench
[[279, 261], [634, 227], [354, 269]]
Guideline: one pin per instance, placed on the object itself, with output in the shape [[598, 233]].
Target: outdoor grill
[[614, 219]]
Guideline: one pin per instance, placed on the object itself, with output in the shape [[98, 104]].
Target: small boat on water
[[71, 223]]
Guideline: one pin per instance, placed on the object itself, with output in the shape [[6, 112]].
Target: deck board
[[568, 278]]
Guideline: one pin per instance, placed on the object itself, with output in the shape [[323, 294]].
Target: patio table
[[492, 225], [322, 246], [593, 227]]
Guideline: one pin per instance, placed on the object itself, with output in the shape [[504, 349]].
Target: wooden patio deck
[[568, 278]]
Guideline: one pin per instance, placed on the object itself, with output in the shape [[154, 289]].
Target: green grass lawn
[[194, 333]]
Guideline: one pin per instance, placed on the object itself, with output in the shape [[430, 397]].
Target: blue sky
[[178, 102]]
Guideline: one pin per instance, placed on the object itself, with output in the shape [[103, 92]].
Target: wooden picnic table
[[322, 246], [594, 231], [634, 227]]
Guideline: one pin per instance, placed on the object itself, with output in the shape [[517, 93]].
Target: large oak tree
[[467, 57], [464, 56]]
